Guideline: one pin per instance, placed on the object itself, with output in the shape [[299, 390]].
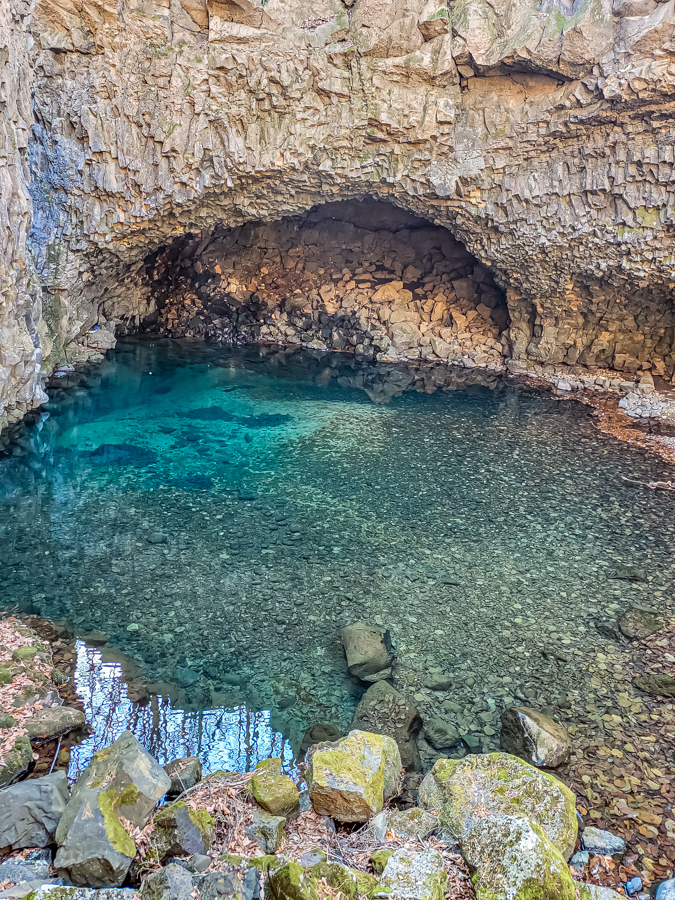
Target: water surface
[[221, 514]]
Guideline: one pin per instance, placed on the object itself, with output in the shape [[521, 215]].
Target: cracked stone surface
[[542, 138]]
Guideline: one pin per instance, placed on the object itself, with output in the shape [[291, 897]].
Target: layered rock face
[[354, 275], [539, 135]]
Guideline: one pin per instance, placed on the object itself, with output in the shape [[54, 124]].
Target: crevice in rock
[[354, 275]]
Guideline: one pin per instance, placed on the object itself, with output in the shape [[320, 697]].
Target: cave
[[360, 276]]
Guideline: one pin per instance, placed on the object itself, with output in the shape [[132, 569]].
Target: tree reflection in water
[[231, 739]]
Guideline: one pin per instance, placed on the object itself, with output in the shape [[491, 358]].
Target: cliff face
[[540, 134], [20, 345]]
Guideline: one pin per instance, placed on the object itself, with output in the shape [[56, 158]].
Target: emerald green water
[[221, 514]]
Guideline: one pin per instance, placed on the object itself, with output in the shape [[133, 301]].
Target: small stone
[[414, 875], [184, 773], [438, 682], [179, 830], [273, 790], [267, 831], [415, 823], [602, 843], [634, 885], [379, 860], [170, 883], [581, 859], [16, 761], [157, 537]]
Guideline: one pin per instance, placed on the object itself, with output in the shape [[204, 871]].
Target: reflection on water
[[221, 514], [233, 740]]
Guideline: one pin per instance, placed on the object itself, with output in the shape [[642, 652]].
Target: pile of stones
[[342, 278], [515, 825]]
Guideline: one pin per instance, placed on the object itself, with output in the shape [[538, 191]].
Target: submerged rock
[[30, 811], [123, 780], [638, 624], [415, 875], [441, 734], [273, 790], [514, 860], [656, 685], [466, 791], [350, 779], [534, 737], [367, 656], [384, 710]]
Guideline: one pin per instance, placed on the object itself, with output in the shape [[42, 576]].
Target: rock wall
[[351, 275], [20, 353], [540, 136]]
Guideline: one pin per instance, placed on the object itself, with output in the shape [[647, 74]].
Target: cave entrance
[[356, 275]]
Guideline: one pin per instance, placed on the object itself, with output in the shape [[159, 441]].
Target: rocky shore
[[353, 819]]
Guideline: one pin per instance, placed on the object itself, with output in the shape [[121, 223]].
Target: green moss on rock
[[379, 860], [109, 803], [273, 790]]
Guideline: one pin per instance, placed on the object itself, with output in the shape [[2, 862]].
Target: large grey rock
[[18, 871], [467, 791], [31, 810], [123, 780], [367, 655], [180, 830], [350, 779], [534, 737], [384, 710], [237, 883], [415, 875]]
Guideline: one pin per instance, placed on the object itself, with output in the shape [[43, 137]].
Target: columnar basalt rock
[[541, 139]]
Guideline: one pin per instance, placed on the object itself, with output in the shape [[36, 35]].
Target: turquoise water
[[221, 514]]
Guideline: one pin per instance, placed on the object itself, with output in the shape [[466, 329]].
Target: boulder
[[52, 722], [367, 656], [18, 871], [293, 881], [17, 760], [513, 858], [384, 710], [121, 781], [414, 823], [322, 731], [31, 810], [379, 859], [184, 774], [170, 883], [179, 830], [351, 778], [596, 892], [465, 791], [534, 737], [415, 875], [267, 831], [48, 892], [602, 843], [638, 624], [441, 734], [273, 790]]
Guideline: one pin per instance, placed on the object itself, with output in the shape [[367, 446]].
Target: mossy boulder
[[179, 830], [468, 790], [17, 760], [23, 655], [514, 860], [293, 881], [267, 831], [415, 822], [273, 790], [415, 875], [5, 675], [121, 782], [597, 892], [351, 778], [7, 721], [379, 859]]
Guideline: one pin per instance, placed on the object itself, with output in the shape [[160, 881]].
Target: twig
[[56, 756], [652, 485]]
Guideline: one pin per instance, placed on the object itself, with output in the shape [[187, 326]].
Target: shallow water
[[220, 514]]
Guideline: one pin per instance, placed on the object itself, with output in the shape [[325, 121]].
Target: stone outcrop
[[541, 138]]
